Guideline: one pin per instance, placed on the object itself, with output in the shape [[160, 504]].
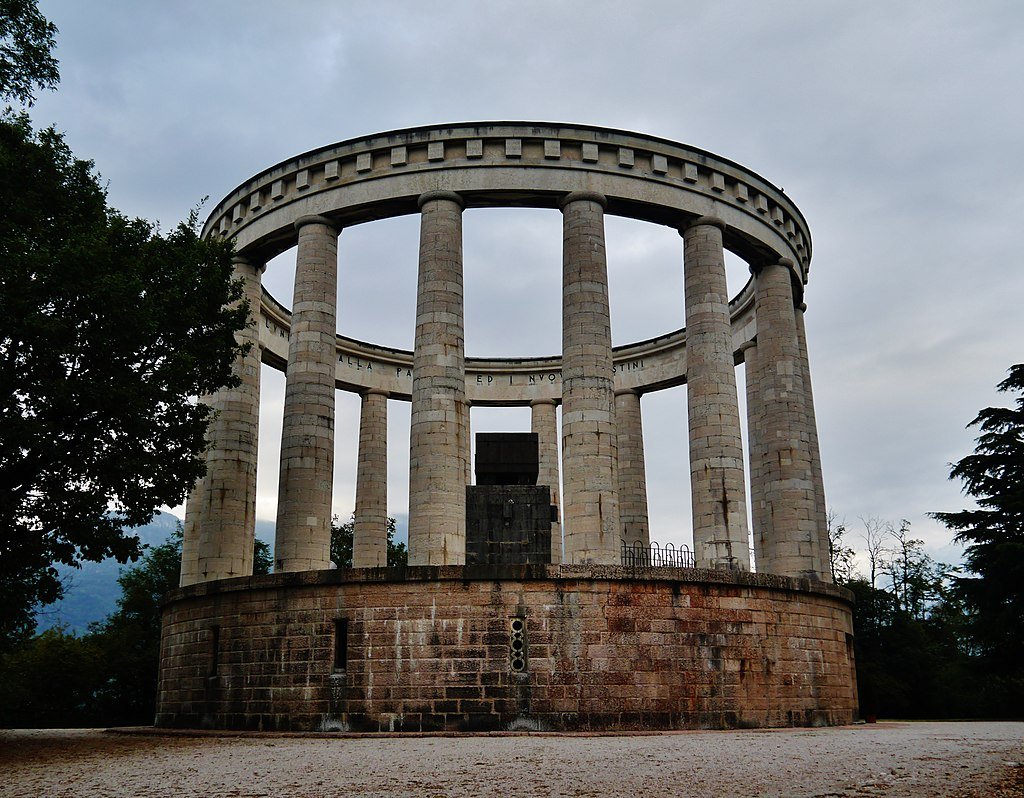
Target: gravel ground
[[891, 759]]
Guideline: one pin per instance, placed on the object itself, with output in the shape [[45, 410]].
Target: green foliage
[[916, 581], [840, 555], [262, 558], [106, 329], [916, 653], [50, 681], [341, 544], [994, 533], [130, 637], [26, 60], [107, 677]]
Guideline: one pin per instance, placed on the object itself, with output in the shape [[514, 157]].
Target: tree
[[875, 532], [840, 556], [341, 544], [918, 583], [26, 60], [108, 676], [50, 681], [106, 329], [130, 637], [994, 531]]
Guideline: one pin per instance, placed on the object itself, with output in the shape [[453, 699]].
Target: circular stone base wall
[[484, 648]]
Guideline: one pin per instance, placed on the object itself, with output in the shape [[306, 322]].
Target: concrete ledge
[[428, 574]]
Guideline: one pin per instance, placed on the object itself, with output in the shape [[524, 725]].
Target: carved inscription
[[629, 365], [355, 362]]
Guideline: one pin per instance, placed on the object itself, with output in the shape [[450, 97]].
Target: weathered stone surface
[[716, 448], [220, 516], [429, 648], [370, 528], [544, 422], [508, 524], [671, 176], [811, 426], [439, 430], [631, 470], [303, 531], [755, 454], [590, 510], [789, 532]]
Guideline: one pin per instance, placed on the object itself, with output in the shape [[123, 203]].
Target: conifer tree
[[994, 531]]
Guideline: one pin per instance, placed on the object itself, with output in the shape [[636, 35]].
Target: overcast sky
[[897, 128]]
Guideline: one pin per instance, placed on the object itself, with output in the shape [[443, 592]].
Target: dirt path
[[917, 760]]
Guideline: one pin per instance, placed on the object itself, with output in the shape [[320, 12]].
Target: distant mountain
[[91, 592]]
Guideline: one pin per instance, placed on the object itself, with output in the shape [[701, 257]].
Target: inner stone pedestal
[[508, 516]]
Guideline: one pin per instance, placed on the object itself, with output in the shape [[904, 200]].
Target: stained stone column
[[589, 445], [544, 422], [370, 531], [467, 439], [820, 508], [716, 446], [220, 516], [303, 534], [755, 453], [631, 471], [789, 529], [439, 435]]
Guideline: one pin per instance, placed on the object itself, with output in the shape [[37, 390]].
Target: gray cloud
[[894, 127]]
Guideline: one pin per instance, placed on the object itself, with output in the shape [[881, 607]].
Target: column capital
[[243, 260], [302, 221], [433, 196], [746, 345], [376, 392], [538, 402], [802, 307], [627, 392], [583, 196], [702, 221], [764, 265]]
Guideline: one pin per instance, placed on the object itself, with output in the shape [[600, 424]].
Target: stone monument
[[573, 640]]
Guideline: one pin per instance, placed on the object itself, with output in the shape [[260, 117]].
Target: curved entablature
[[514, 164], [643, 366]]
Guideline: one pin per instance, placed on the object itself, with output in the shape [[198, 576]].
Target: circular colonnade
[[585, 172]]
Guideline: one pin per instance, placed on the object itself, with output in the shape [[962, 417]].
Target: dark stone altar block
[[508, 524], [507, 458]]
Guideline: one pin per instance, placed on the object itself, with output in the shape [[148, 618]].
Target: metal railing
[[637, 555]]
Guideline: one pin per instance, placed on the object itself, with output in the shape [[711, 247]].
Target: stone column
[[303, 535], [467, 439], [220, 516], [631, 471], [720, 537], [789, 529], [198, 499], [755, 453], [370, 531], [439, 443], [589, 446], [820, 508], [544, 422]]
